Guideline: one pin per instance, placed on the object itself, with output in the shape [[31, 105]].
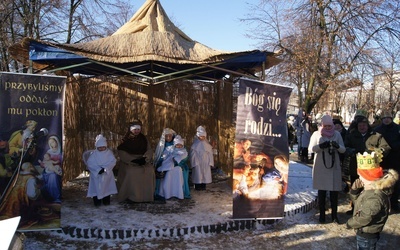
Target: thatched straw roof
[[149, 36]]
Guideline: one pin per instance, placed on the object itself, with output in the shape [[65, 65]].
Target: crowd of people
[[367, 153], [144, 177]]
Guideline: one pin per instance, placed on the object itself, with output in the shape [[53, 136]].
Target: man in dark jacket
[[391, 132], [360, 139]]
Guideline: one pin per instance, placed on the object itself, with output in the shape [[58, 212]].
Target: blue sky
[[214, 23]]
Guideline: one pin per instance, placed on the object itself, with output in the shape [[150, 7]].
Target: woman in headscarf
[[100, 164], [164, 148], [136, 179], [201, 160], [173, 184], [327, 143]]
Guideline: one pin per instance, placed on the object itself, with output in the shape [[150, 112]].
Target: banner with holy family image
[[261, 155], [31, 118]]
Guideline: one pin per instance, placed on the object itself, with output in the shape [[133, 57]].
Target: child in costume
[[102, 181], [371, 196]]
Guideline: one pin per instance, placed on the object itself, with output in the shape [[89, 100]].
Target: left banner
[[31, 129]]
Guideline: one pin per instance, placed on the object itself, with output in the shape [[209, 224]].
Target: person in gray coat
[[327, 143]]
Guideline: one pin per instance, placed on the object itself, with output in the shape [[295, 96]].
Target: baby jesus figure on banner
[[49, 165]]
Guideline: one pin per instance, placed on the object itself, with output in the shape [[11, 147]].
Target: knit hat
[[326, 120], [386, 114], [200, 131], [362, 119], [361, 112], [368, 165], [178, 140], [101, 141]]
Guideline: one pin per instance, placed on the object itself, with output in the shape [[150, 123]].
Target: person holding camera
[[327, 143]]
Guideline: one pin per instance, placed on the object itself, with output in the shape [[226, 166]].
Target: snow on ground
[[298, 230]]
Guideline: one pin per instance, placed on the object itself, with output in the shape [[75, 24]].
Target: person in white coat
[[327, 143], [102, 181], [201, 160]]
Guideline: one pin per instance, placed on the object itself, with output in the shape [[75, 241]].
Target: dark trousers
[[333, 196], [304, 155]]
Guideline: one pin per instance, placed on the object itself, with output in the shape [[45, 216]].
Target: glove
[[324, 145], [357, 184], [335, 145], [141, 161], [101, 171]]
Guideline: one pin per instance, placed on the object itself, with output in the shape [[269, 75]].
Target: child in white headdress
[[102, 181], [181, 157], [201, 159]]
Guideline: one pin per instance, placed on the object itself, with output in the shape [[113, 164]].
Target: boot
[[96, 201], [334, 203], [106, 200], [321, 205]]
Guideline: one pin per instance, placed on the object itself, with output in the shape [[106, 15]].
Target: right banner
[[261, 155]]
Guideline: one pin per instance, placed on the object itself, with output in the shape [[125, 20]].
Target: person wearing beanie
[[360, 114], [201, 160], [391, 132], [327, 143], [370, 194], [357, 141], [136, 175], [100, 163]]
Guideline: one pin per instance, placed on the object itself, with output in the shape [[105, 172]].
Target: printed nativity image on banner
[[261, 164], [31, 111]]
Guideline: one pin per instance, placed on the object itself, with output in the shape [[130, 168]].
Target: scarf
[[327, 132]]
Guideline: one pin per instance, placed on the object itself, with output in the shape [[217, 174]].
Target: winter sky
[[214, 23]]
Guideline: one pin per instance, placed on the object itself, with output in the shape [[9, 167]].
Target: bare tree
[[387, 76], [60, 21], [323, 42]]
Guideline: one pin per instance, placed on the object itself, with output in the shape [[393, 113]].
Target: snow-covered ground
[[299, 229]]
